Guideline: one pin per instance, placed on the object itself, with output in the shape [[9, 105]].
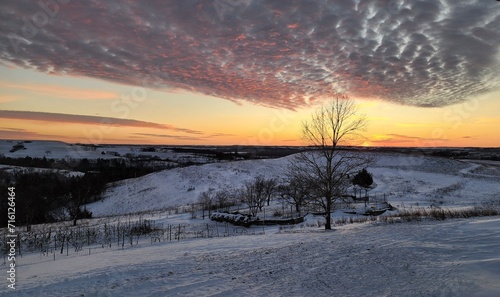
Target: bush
[[17, 147], [363, 178], [277, 213]]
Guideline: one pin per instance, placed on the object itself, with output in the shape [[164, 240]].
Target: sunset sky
[[248, 72]]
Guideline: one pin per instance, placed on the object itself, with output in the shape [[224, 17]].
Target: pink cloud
[[88, 120], [282, 54]]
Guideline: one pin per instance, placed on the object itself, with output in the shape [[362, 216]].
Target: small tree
[[363, 178], [253, 196], [257, 192], [269, 189], [223, 198], [295, 192], [206, 200]]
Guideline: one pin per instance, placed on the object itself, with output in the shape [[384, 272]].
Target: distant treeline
[[84, 165], [50, 196], [239, 152]]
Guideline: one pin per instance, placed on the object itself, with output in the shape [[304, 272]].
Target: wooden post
[[62, 246], [263, 221]]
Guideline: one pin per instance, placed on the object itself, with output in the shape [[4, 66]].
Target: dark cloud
[[13, 133], [220, 135], [169, 136], [89, 120], [275, 53], [182, 137], [398, 139]]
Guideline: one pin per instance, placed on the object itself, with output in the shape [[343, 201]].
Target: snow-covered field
[[49, 149], [426, 258], [451, 258], [15, 169], [406, 181], [62, 150]]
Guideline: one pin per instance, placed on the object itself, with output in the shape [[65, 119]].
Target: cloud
[[89, 120], [221, 135], [188, 138], [286, 54], [12, 129], [178, 137], [404, 140], [18, 134], [60, 91]]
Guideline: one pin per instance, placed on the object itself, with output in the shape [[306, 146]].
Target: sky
[[249, 72]]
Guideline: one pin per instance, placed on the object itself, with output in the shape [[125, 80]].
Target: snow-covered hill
[[48, 149], [62, 150], [181, 186], [408, 180]]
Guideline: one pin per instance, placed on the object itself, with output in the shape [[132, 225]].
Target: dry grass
[[439, 214]]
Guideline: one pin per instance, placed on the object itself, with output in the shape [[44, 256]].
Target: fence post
[[179, 234], [263, 222]]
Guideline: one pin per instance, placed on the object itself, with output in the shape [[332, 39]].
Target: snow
[[62, 150], [49, 149], [451, 258], [405, 180], [16, 169], [427, 258], [181, 186]]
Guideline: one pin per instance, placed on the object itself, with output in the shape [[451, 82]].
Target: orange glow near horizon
[[183, 118]]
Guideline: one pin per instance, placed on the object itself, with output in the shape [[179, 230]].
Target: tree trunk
[[328, 225], [328, 214]]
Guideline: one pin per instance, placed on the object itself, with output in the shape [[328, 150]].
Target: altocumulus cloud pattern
[[284, 54]]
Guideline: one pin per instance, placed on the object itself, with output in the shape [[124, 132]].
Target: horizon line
[[248, 145]]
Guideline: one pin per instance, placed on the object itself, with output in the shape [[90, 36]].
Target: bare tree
[[224, 199], [206, 200], [326, 167], [269, 189], [253, 196], [294, 192]]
